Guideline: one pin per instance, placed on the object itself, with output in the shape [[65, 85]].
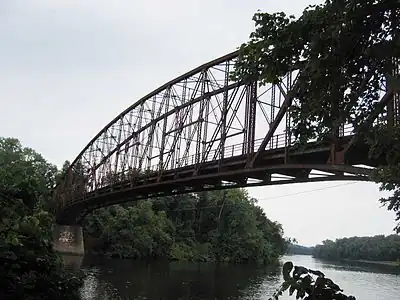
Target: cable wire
[[308, 191]]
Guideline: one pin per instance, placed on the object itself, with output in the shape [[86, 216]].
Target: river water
[[126, 279]]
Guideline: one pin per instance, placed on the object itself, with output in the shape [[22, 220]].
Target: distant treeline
[[375, 248], [299, 249]]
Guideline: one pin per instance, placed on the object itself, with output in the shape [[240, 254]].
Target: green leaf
[[287, 268], [291, 290]]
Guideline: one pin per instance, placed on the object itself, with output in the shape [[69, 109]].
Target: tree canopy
[[345, 56], [294, 248], [29, 267], [25, 174], [209, 226], [375, 248], [344, 51]]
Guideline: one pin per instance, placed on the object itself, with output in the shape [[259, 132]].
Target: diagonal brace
[[370, 119], [274, 125]]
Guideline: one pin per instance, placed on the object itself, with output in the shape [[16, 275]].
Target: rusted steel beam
[[76, 213], [379, 107], [274, 125], [207, 65], [156, 120]]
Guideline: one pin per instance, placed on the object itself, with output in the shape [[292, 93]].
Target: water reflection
[[126, 279], [359, 266], [72, 262]]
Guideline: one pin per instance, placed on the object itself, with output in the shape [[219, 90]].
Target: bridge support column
[[68, 239]]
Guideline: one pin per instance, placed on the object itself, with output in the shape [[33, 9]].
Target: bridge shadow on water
[[128, 279]]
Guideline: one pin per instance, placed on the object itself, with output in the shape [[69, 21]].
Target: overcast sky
[[67, 67]]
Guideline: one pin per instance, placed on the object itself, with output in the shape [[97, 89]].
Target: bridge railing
[[277, 141]]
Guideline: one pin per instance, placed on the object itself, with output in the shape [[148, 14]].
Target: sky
[[68, 67]]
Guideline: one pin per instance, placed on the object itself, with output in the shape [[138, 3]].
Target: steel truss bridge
[[202, 131]]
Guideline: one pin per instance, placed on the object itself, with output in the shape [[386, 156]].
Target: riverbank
[[372, 262], [187, 254]]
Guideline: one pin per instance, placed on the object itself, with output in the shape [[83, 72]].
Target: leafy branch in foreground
[[301, 280]]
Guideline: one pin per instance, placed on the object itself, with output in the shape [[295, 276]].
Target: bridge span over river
[[203, 131]]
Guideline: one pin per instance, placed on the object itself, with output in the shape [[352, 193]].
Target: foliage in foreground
[[347, 53], [210, 226], [375, 248], [29, 267], [308, 284]]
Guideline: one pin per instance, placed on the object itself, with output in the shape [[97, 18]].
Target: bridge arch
[[200, 131]]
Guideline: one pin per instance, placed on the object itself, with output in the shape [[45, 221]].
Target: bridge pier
[[68, 239]]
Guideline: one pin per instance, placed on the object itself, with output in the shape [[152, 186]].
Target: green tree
[[245, 233], [135, 231], [294, 248], [345, 57], [374, 248], [353, 42], [30, 269], [385, 142], [207, 226], [25, 174]]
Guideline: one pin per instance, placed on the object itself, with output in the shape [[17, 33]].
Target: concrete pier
[[68, 239]]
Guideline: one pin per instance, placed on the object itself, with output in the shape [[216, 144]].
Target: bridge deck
[[270, 169], [183, 137]]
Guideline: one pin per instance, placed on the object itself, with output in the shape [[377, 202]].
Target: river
[[126, 279]]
